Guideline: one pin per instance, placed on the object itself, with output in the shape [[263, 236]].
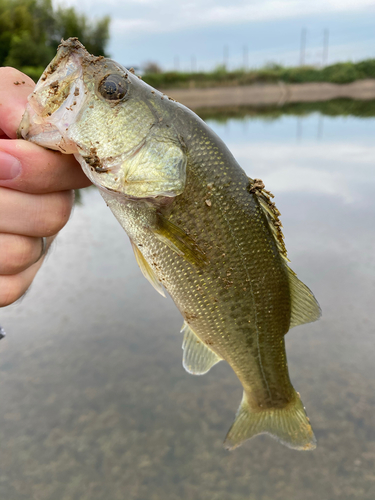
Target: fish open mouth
[[56, 101]]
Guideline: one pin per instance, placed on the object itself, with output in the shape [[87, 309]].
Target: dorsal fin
[[305, 307], [271, 212], [197, 359]]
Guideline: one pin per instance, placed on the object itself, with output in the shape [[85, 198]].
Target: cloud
[[163, 16], [314, 168], [124, 26], [280, 9], [161, 30]]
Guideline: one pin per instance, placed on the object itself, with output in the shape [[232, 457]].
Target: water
[[95, 404]]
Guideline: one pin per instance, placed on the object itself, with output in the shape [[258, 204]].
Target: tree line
[[31, 30], [341, 72]]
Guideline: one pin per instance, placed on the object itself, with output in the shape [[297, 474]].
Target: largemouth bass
[[200, 228]]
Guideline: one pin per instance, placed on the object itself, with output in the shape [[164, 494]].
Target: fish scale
[[244, 226], [199, 227]]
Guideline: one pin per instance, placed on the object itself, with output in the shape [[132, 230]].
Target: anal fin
[[197, 359], [146, 269]]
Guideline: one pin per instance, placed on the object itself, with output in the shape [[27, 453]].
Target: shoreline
[[271, 94]]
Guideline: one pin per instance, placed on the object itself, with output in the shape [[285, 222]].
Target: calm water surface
[[94, 402]]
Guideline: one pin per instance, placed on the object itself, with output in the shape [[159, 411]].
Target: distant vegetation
[[30, 31], [336, 73], [335, 107]]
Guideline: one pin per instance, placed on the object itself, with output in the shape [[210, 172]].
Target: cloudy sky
[[202, 33]]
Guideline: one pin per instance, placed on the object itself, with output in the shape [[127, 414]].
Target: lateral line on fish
[[253, 300]]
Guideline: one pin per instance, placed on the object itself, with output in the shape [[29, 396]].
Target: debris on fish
[[200, 228], [2, 333]]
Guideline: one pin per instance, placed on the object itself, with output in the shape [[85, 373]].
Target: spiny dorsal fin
[[147, 271], [305, 307], [272, 213], [197, 359]]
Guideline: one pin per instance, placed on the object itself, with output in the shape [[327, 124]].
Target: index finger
[[40, 170]]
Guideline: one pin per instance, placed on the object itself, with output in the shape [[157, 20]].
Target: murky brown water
[[94, 402]]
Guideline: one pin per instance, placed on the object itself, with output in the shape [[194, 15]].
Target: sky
[[202, 34]]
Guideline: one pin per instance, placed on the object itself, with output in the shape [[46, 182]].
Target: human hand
[[36, 196]]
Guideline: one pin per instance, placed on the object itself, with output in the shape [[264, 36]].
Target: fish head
[[114, 124]]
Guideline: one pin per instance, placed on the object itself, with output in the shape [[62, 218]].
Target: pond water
[[94, 402]]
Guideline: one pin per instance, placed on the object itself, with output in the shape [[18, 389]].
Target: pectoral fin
[[146, 269], [180, 242], [197, 359]]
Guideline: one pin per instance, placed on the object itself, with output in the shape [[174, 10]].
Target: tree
[[30, 31]]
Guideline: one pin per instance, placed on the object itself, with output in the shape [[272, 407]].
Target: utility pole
[[325, 46], [176, 63], [302, 47], [225, 57], [193, 64], [245, 57]]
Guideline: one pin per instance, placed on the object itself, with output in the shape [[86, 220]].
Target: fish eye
[[113, 87]]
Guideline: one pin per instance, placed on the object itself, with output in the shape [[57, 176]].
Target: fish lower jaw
[[42, 132]]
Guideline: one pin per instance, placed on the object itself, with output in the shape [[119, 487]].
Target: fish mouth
[[58, 97]]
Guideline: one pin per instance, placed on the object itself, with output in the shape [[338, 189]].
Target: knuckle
[[18, 253], [57, 214], [11, 289]]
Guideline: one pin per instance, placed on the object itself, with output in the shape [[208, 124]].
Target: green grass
[[336, 73]]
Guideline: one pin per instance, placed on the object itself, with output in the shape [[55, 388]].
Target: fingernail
[[10, 167]]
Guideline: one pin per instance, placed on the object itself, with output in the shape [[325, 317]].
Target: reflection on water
[[95, 404], [335, 107]]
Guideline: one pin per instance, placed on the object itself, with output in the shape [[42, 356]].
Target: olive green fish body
[[238, 304], [199, 227]]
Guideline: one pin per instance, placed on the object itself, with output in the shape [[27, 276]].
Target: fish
[[200, 228]]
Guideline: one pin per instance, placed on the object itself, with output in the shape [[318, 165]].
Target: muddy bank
[[261, 95]]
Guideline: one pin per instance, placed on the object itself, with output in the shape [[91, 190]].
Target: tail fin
[[290, 425]]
